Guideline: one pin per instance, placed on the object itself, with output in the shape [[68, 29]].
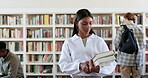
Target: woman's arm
[[66, 64]]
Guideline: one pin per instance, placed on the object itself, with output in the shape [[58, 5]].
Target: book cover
[[104, 58]]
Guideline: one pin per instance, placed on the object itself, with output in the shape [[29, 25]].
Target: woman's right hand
[[85, 67], [93, 68]]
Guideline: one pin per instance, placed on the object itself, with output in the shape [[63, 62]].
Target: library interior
[[36, 30]]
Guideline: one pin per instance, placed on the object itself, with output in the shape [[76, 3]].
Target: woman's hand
[[93, 68], [85, 67]]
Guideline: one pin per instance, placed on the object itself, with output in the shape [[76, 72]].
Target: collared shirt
[[11, 66], [129, 59], [74, 52]]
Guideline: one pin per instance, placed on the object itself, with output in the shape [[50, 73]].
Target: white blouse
[[74, 52]]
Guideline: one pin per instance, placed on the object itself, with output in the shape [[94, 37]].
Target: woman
[[78, 51]]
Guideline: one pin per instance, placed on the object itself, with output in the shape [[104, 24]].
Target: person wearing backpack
[[130, 44]]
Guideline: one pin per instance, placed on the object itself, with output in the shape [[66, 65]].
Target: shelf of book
[[37, 36]]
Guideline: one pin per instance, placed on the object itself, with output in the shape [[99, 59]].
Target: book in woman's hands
[[104, 58]]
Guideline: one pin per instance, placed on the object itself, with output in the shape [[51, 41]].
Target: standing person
[[78, 51], [128, 63], [10, 65]]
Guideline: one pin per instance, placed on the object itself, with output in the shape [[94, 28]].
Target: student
[[78, 51], [10, 66], [130, 63]]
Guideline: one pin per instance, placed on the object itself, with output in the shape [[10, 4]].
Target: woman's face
[[84, 25]]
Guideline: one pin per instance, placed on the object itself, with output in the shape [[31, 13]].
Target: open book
[[104, 58]]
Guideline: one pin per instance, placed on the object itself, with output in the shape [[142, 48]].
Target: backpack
[[128, 42]]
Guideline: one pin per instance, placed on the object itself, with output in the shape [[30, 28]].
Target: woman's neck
[[83, 35]]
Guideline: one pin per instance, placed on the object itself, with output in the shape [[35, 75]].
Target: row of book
[[102, 32], [34, 46], [39, 33], [48, 33], [10, 20], [58, 46], [15, 46], [60, 32], [69, 19], [39, 46], [35, 33], [11, 33], [39, 69], [102, 19], [39, 58], [45, 19], [69, 32], [65, 19]]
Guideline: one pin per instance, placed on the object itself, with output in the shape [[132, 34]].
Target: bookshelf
[[36, 35]]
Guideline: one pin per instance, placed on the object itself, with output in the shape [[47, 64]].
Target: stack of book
[[104, 58]]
